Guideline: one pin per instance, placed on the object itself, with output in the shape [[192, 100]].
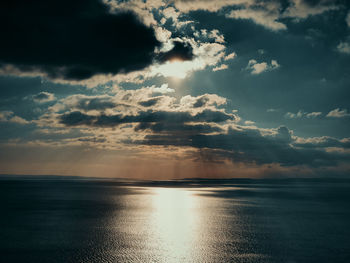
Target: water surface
[[185, 221]]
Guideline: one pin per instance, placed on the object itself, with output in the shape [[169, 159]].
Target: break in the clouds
[[239, 85]]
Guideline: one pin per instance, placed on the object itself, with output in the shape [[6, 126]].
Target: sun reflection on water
[[174, 223]]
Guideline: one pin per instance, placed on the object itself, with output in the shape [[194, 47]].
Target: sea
[[58, 219]]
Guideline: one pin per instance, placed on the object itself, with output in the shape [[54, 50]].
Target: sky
[[170, 89]]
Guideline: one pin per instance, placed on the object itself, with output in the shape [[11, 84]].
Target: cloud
[[85, 103], [178, 129], [120, 100], [207, 5], [95, 103], [338, 113], [171, 13], [143, 9], [250, 145], [313, 114], [150, 102], [348, 19], [322, 142], [203, 101], [344, 47], [181, 52], [266, 15], [249, 122], [162, 89], [258, 68], [78, 118], [135, 106], [43, 97], [73, 39], [230, 56], [301, 114], [204, 55], [215, 34], [92, 139], [221, 67], [9, 116], [301, 9]]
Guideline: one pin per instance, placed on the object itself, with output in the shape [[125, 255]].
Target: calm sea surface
[[185, 221]]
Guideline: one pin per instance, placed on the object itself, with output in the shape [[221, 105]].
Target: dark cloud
[[78, 118], [201, 101], [250, 146], [93, 139], [72, 39], [150, 102], [43, 97], [95, 103], [180, 51], [178, 129]]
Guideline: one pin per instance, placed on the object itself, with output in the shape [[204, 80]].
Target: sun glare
[[174, 221], [177, 68]]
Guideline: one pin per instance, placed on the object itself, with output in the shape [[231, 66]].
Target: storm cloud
[[73, 39]]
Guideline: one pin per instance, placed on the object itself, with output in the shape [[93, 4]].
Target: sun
[[177, 68]]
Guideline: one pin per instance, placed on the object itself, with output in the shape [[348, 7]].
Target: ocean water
[[70, 220]]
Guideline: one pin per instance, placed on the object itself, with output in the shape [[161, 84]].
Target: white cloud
[[230, 56], [43, 97], [313, 114], [258, 68], [274, 64], [300, 9], [249, 122], [264, 13], [170, 12], [217, 36], [301, 114], [207, 5], [221, 67], [338, 113], [344, 47], [206, 54], [290, 115], [162, 89], [263, 17], [5, 115], [162, 34], [9, 116]]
